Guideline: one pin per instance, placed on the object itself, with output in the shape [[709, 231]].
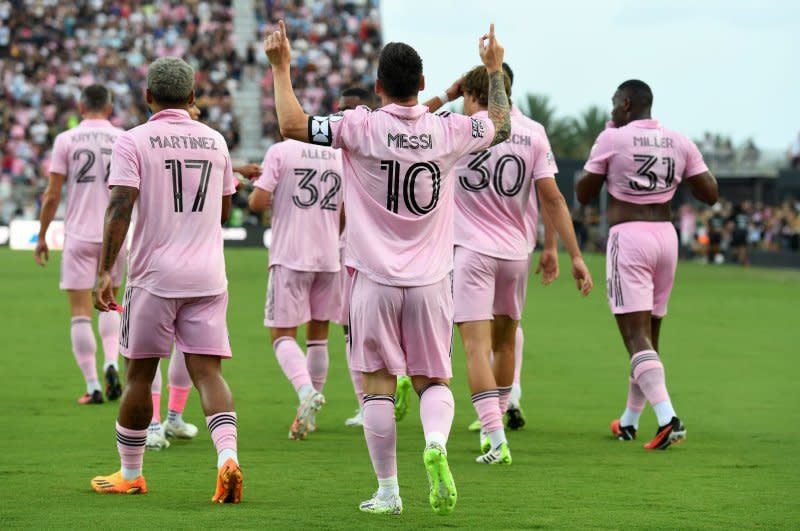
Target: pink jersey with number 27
[[644, 162], [182, 170], [398, 193]]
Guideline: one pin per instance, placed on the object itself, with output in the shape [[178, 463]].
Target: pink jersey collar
[[170, 113], [515, 111], [404, 112], [646, 124]]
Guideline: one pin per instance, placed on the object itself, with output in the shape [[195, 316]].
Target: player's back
[[399, 192], [644, 162], [83, 155], [306, 182], [182, 169], [495, 191]]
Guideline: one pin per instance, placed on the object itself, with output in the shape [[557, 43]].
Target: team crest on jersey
[[478, 129], [549, 157], [319, 129]]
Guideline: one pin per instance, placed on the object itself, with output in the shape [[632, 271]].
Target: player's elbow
[[582, 193], [258, 201]]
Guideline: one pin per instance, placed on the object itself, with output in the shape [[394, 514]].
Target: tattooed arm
[[492, 56], [117, 220]]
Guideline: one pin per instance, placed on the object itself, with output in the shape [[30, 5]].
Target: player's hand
[[490, 51], [583, 279], [250, 171], [548, 266], [277, 47], [42, 253], [103, 293], [454, 91]]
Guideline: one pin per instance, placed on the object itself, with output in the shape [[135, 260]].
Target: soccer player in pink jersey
[[398, 163], [492, 255], [302, 184], [178, 174], [642, 163], [81, 157]]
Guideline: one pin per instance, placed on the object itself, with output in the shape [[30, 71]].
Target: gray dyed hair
[[170, 80]]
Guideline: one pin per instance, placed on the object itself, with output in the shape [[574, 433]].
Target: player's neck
[[644, 115], [157, 108], [94, 116], [406, 102]]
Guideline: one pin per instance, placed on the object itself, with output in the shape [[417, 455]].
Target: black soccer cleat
[[672, 433], [515, 418], [96, 397], [623, 433], [113, 385]]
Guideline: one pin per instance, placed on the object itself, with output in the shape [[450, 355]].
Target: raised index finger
[[491, 31], [282, 28]]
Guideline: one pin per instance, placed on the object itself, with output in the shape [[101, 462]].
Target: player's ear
[[378, 88], [190, 101], [81, 108], [148, 97], [421, 82]]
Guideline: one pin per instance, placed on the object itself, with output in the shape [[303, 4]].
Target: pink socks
[[648, 371], [222, 427], [155, 392], [487, 404], [180, 384], [381, 434], [84, 347], [436, 410], [130, 445], [292, 361], [317, 362], [108, 326]]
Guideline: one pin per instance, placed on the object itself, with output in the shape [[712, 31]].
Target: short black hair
[[399, 70], [638, 91], [509, 72], [357, 92], [95, 98]]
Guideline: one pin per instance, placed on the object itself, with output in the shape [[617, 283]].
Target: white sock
[[515, 396], [388, 487], [497, 437], [304, 391], [154, 426], [226, 454], [630, 418], [435, 437], [174, 417], [108, 364], [129, 474], [92, 386], [664, 412]]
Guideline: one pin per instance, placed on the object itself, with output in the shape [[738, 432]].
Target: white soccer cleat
[[180, 430], [498, 456], [356, 420], [305, 414], [379, 505], [156, 439]]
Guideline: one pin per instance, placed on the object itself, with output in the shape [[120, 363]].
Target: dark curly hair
[[399, 70]]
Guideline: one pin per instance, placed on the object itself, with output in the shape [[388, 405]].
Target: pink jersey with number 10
[[82, 155], [182, 170], [398, 192], [643, 161]]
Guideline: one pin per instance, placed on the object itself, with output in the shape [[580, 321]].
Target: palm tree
[[559, 130], [586, 127]]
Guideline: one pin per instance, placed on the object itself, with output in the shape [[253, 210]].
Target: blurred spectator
[[750, 153], [794, 154]]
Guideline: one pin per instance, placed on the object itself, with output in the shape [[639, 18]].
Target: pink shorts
[[640, 266], [79, 265], [150, 323], [296, 297], [405, 330], [485, 286]]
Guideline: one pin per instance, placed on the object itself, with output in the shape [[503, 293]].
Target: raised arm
[[492, 56], [293, 121], [115, 228], [52, 196]]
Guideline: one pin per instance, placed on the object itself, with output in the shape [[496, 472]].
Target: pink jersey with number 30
[[644, 162], [398, 187], [182, 170], [82, 155]]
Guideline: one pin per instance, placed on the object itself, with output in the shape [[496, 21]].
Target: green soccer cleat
[[443, 495], [475, 426], [401, 397], [485, 442], [499, 456]]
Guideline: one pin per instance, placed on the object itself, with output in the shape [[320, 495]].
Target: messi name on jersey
[[404, 141]]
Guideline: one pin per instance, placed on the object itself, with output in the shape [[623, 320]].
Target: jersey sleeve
[[601, 152], [228, 180], [342, 130], [470, 134], [124, 163], [695, 165], [544, 162], [270, 170], [59, 159]]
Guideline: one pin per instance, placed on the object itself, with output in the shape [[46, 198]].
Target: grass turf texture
[[730, 348]]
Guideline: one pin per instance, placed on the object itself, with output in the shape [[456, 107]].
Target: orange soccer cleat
[[116, 484], [229, 483]]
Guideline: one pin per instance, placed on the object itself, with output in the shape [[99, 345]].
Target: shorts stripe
[[271, 296], [615, 290], [126, 317]]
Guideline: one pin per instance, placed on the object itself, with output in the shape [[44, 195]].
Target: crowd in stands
[[50, 50], [720, 153]]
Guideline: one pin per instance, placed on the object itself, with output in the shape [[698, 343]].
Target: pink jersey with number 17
[[82, 155], [643, 161], [182, 170], [398, 193]]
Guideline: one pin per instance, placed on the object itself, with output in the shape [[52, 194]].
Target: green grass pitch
[[730, 346]]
